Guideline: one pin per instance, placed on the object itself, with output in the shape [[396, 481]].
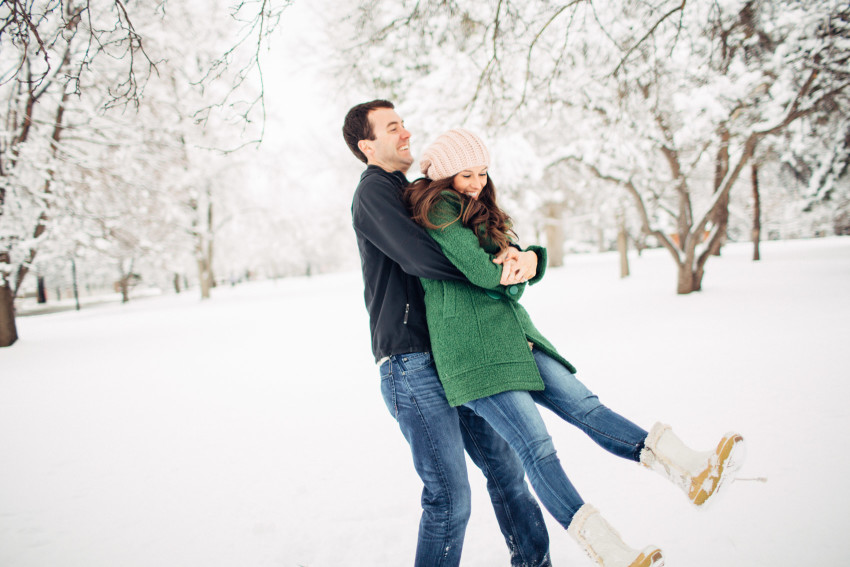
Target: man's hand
[[517, 267]]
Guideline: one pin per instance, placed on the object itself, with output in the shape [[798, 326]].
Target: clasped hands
[[517, 267]]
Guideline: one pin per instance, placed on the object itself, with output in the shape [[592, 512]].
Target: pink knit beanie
[[451, 153]]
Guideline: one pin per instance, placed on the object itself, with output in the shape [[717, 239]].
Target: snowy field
[[249, 430]]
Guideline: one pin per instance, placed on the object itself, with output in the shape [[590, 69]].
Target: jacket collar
[[398, 177]]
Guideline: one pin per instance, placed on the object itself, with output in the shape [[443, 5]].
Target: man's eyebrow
[[395, 122]]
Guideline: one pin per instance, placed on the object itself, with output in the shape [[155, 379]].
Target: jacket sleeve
[[379, 215], [542, 260], [461, 247]]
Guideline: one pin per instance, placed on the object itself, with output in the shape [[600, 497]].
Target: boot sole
[[730, 454], [649, 558]]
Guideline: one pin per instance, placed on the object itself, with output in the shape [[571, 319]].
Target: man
[[395, 252]]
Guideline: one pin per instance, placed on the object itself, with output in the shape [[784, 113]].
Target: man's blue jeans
[[437, 434], [516, 417]]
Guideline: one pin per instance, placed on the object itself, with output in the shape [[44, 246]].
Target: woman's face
[[470, 181]]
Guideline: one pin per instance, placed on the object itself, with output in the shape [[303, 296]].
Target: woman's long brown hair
[[423, 194]]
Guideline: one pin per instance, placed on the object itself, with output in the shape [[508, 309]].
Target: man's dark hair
[[357, 126]]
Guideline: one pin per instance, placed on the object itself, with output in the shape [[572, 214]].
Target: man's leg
[[415, 398], [517, 511]]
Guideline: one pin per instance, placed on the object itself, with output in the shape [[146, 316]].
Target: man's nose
[[405, 133]]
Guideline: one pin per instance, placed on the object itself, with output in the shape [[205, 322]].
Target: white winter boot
[[700, 474], [605, 546]]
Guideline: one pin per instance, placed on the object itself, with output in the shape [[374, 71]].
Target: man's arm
[[380, 216]]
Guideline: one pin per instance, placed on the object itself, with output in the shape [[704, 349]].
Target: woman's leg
[[572, 401], [700, 474], [515, 417]]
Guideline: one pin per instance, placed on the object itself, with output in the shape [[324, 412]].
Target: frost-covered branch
[[631, 189], [652, 29], [241, 61]]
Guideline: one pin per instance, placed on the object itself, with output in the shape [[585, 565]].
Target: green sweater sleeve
[[461, 247], [542, 260]]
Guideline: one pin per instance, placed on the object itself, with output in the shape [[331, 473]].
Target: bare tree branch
[[647, 35]]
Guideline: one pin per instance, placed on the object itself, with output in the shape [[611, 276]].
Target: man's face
[[390, 150]]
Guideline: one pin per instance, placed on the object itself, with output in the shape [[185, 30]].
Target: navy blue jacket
[[394, 253]]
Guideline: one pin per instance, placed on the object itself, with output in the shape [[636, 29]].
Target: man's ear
[[365, 146]]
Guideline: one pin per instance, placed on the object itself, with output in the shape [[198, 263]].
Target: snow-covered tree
[[668, 100], [721, 80], [817, 160], [105, 104], [53, 52]]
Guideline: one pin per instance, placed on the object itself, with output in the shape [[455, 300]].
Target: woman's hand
[[517, 267]]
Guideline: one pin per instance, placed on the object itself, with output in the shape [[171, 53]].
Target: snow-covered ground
[[249, 430]]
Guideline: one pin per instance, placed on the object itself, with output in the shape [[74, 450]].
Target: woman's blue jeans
[[515, 416], [438, 434]]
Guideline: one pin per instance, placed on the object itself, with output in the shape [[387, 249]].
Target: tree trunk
[[697, 279], [204, 248], [623, 248], [41, 292], [124, 285], [685, 283], [754, 170], [690, 280], [8, 329], [204, 278], [720, 218], [555, 244], [76, 288], [639, 243], [176, 282], [554, 232], [210, 267], [210, 241]]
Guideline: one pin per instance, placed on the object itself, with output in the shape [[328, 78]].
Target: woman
[[492, 359]]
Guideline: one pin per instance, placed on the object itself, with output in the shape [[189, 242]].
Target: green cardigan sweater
[[479, 332]]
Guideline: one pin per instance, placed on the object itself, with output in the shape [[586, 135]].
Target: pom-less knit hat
[[451, 153]]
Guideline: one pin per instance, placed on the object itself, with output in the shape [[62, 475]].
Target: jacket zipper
[[406, 311]]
